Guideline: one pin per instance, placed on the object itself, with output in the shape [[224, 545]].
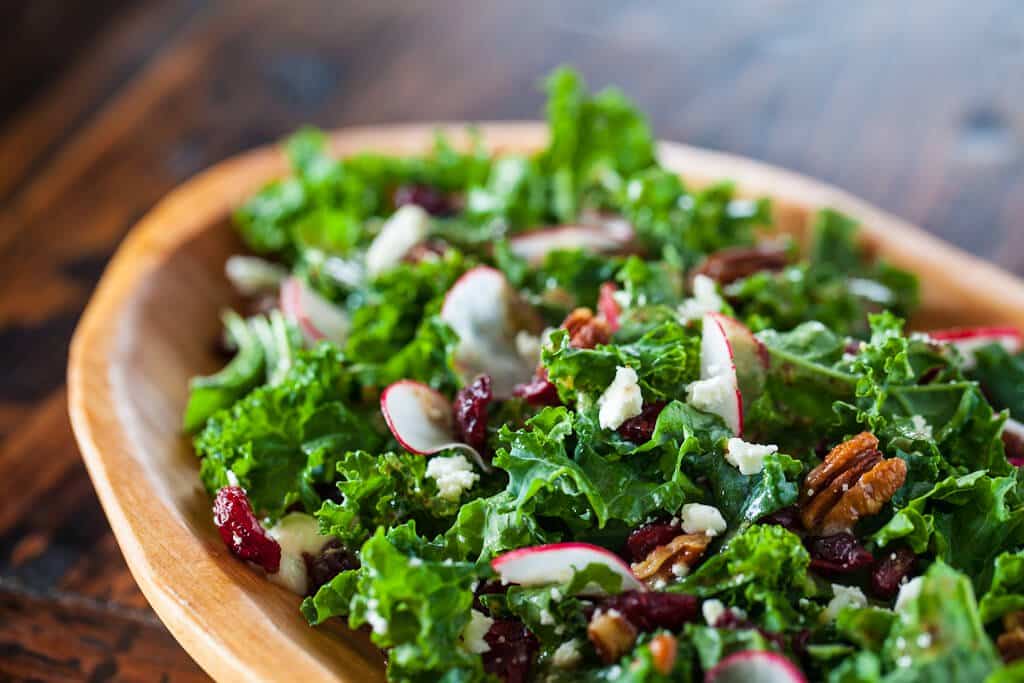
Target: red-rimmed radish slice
[[608, 306], [755, 666], [558, 562], [317, 317], [421, 419], [606, 236], [718, 391], [481, 308], [967, 340]]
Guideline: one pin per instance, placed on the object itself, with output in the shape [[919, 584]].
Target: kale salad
[[560, 417]]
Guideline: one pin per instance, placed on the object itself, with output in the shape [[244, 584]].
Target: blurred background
[[106, 105]]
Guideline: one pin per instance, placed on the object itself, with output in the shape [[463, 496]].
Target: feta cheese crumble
[[710, 394], [567, 655], [705, 519], [844, 596], [705, 299], [921, 428], [453, 474], [748, 458], [528, 346], [712, 611], [621, 400], [474, 631], [406, 228]]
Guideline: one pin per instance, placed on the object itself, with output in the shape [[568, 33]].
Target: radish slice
[[422, 419], [558, 563], [755, 666], [608, 306], [604, 237], [718, 390], [481, 308], [317, 317], [968, 340]]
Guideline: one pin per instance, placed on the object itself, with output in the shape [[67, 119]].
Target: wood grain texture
[[917, 107], [151, 324]]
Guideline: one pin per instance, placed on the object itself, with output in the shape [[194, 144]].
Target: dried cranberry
[[471, 412], [1014, 445], [333, 559], [642, 540], [837, 554], [430, 199], [891, 572], [787, 517], [640, 428], [241, 531], [539, 391], [512, 650], [648, 611]]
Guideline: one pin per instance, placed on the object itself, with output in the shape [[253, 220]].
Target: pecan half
[[674, 559], [1011, 642], [735, 263], [586, 330], [612, 635], [853, 482], [663, 651]]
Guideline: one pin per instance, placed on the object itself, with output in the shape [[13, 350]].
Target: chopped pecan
[[735, 263], [586, 330], [853, 482], [1011, 641], [612, 635], [675, 558], [663, 650]]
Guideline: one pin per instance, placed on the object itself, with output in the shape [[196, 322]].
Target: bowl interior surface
[[154, 321]]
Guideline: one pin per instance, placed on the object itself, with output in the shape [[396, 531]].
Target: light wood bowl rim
[[200, 203]]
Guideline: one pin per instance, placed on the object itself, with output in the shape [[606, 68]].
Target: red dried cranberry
[[787, 517], [891, 571], [512, 650], [539, 391], [837, 554], [640, 428], [241, 531], [430, 199], [1014, 445], [333, 559], [648, 611], [471, 412], [642, 540]]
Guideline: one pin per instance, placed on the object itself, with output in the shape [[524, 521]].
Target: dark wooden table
[[918, 107]]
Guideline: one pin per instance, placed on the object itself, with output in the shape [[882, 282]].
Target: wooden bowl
[[151, 326]]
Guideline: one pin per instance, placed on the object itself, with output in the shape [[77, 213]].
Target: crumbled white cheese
[[710, 394], [924, 641], [453, 474], [378, 623], [748, 457], [546, 618], [712, 611], [699, 518], [474, 631], [567, 655], [406, 228], [621, 400], [680, 570], [528, 347], [705, 299], [296, 533], [844, 596], [252, 275], [921, 428], [908, 593]]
